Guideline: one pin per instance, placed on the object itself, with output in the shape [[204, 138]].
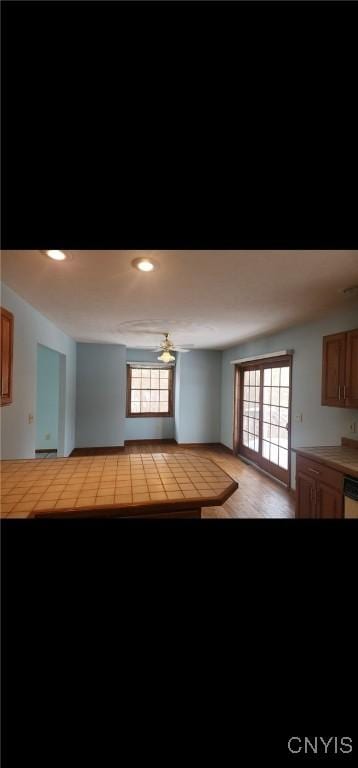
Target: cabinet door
[[305, 495], [351, 383], [7, 321], [329, 501], [333, 369]]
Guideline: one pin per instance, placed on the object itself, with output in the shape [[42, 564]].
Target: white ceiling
[[209, 299]]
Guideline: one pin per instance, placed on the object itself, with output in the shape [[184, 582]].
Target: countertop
[[112, 486], [343, 458]]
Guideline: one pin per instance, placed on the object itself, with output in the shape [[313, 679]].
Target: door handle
[[315, 471]]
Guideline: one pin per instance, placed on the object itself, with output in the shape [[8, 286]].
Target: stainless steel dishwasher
[[350, 497]]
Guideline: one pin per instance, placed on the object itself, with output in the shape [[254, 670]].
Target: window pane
[[274, 453], [275, 395], [284, 396], [274, 414], [285, 377], [267, 413], [283, 458], [251, 426], [245, 423], [274, 434], [163, 407], [246, 393], [252, 378], [245, 438], [145, 407], [164, 396], [266, 431], [257, 426], [146, 383], [283, 437], [246, 408], [136, 373], [154, 395], [258, 378], [275, 377], [246, 378], [154, 406], [257, 398], [252, 394], [267, 394], [265, 449], [164, 375], [146, 396], [135, 395], [251, 442], [135, 407], [163, 384], [256, 444], [284, 417], [267, 377]]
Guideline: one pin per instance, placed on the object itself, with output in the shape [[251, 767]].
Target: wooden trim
[[156, 414], [148, 441], [265, 362], [6, 399], [236, 406], [100, 450]]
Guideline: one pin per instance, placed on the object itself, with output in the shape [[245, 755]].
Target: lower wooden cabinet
[[305, 489], [319, 490], [329, 502]]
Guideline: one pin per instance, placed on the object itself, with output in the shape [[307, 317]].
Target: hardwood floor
[[257, 496]]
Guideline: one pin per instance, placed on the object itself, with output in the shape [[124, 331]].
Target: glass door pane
[[251, 410], [275, 415]]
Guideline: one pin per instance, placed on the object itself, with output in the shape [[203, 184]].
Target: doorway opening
[[50, 403], [263, 415]]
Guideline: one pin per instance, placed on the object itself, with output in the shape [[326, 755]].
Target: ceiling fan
[[166, 347]]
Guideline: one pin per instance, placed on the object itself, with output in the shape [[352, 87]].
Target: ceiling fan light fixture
[[166, 357]]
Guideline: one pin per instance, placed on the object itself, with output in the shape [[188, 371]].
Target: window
[[149, 391]]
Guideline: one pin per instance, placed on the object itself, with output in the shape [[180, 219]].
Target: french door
[[264, 415]]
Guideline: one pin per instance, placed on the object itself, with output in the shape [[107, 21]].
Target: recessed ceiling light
[[56, 255], [145, 265]]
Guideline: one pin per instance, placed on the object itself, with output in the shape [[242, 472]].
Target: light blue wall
[[199, 397], [158, 428], [18, 436], [101, 393], [48, 397], [321, 425]]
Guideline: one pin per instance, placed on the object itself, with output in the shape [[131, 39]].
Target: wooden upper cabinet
[[333, 369], [340, 370], [7, 336], [352, 369]]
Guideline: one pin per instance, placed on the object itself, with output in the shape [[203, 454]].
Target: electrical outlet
[[298, 417], [47, 437], [353, 427]]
